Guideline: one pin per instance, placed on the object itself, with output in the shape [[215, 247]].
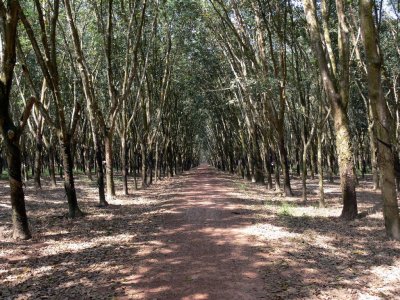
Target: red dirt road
[[200, 235], [200, 251]]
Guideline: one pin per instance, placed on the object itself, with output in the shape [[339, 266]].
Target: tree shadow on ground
[[193, 237]]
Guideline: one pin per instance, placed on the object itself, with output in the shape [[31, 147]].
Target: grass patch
[[285, 210], [242, 186]]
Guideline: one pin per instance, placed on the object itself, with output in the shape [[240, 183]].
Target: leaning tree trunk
[[338, 98], [385, 130]]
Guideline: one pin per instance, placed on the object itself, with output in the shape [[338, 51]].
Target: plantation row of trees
[[305, 89], [98, 87], [264, 88]]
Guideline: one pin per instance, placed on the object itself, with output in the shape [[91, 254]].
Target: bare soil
[[201, 235]]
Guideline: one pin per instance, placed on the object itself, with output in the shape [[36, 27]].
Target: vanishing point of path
[[200, 250]]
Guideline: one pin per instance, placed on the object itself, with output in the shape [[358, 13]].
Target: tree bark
[[108, 139], [52, 171], [144, 164], [19, 218], [99, 170], [69, 185], [11, 133], [385, 129], [285, 166], [124, 161], [373, 150], [338, 101], [321, 200], [38, 159]]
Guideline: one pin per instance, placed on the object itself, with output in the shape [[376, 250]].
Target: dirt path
[[200, 251], [200, 235]]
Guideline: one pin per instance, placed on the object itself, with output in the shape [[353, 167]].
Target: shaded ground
[[202, 235]]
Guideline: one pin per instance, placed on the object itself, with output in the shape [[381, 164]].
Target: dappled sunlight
[[201, 237], [268, 232]]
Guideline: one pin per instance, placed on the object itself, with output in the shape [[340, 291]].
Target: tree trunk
[[69, 184], [108, 140], [267, 168], [374, 162], [144, 165], [346, 166], [87, 166], [10, 133], [19, 217], [276, 173], [304, 173], [135, 169], [52, 170], [321, 200], [124, 157], [285, 166], [38, 159], [338, 98], [312, 164], [99, 170], [156, 164], [385, 129]]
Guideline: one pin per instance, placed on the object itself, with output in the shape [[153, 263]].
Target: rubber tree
[[118, 92], [335, 79], [47, 58], [384, 123], [9, 14]]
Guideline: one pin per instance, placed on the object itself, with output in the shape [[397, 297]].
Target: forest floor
[[201, 235]]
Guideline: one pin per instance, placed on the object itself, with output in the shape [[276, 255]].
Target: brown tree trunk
[[108, 139], [87, 166], [373, 149], [52, 170], [338, 98], [144, 164], [19, 217], [135, 163], [346, 165], [156, 164], [267, 168], [11, 134], [38, 159], [321, 200], [285, 166], [69, 183], [304, 173], [99, 170], [124, 158], [312, 163], [385, 130], [276, 173]]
